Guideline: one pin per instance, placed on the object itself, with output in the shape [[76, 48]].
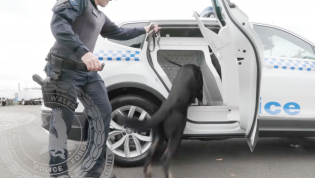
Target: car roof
[[183, 21], [206, 21]]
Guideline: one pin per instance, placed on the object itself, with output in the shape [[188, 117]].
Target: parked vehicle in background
[[7, 97], [3, 101], [31, 96]]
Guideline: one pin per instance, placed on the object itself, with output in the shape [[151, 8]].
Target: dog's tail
[[172, 62], [154, 121]]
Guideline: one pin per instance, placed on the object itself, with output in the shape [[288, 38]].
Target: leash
[[157, 35], [153, 35]]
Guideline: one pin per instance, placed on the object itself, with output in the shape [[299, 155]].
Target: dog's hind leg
[[172, 146], [148, 163]]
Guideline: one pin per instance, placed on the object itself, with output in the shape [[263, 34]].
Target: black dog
[[169, 121]]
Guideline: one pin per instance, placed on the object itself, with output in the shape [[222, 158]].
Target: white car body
[[276, 91]]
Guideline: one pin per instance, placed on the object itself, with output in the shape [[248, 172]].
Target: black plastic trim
[[212, 122], [217, 13], [257, 62], [283, 124], [239, 135], [136, 85], [263, 133]]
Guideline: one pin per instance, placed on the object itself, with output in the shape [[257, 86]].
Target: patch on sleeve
[[73, 3], [60, 2]]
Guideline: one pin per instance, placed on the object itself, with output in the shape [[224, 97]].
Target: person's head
[[102, 3]]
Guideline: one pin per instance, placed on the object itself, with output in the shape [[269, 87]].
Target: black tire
[[150, 108]]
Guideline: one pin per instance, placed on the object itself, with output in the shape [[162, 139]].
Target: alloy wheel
[[126, 142]]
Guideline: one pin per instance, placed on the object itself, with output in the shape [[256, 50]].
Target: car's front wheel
[[130, 147]]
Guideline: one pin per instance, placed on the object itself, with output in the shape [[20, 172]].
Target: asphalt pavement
[[23, 152]]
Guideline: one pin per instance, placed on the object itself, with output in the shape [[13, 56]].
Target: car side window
[[282, 44], [135, 42]]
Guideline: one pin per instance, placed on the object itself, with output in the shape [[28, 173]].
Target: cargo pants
[[92, 85]]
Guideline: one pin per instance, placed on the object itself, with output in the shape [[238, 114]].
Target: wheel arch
[[140, 89]]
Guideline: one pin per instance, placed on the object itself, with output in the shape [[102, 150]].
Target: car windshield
[[282, 44]]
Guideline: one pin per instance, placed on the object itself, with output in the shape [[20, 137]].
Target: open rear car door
[[240, 52]]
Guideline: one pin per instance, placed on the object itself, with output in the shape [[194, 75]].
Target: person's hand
[[155, 27], [91, 61]]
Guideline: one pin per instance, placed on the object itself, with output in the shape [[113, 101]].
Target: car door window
[[135, 42], [279, 43]]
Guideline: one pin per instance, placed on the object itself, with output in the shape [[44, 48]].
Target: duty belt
[[60, 61]]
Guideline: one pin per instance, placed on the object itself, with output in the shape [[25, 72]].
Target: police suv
[[258, 79]]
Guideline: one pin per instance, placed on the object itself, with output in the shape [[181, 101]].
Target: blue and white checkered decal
[[289, 64], [112, 55]]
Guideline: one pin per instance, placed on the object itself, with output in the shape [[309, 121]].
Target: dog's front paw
[[148, 171], [170, 175], [148, 174]]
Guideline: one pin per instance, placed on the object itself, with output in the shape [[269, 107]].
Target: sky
[[26, 37]]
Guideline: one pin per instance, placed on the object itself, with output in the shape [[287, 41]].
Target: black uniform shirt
[[76, 25]]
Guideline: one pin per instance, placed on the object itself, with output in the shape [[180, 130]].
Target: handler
[[76, 25]]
